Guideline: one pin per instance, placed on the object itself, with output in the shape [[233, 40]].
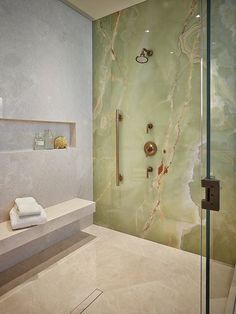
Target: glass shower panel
[[223, 127], [223, 151], [220, 112]]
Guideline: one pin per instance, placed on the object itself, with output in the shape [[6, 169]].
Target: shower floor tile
[[135, 275]]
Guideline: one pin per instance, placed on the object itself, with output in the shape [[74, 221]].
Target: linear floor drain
[[87, 302]]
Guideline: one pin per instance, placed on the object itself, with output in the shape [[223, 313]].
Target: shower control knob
[[150, 148], [149, 170], [149, 127]]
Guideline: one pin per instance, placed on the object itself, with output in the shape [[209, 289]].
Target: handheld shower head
[[143, 57]]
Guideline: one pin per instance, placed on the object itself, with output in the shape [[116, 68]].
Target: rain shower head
[[143, 57]]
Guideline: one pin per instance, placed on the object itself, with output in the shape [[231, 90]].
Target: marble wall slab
[[46, 74], [166, 91]]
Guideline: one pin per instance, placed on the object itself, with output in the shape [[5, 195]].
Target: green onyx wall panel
[[166, 91]]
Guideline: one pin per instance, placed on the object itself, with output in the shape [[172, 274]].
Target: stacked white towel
[[27, 212], [27, 206]]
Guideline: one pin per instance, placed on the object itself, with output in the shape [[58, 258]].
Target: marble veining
[[117, 84], [174, 124]]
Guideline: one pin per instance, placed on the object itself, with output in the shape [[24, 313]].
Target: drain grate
[[87, 302]]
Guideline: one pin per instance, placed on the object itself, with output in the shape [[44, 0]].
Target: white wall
[[45, 74]]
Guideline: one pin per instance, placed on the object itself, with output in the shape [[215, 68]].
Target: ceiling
[[95, 9]]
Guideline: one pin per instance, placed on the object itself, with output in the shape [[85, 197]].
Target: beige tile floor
[[135, 275]]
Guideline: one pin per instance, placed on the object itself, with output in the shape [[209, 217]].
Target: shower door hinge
[[212, 194]]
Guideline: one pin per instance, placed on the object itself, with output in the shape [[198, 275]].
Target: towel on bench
[[27, 206], [27, 221]]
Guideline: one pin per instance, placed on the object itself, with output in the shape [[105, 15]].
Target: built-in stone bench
[[64, 220]]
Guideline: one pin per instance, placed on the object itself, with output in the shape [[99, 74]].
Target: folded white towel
[[24, 222], [27, 206]]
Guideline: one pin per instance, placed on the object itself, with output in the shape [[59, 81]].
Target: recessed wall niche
[[19, 134]]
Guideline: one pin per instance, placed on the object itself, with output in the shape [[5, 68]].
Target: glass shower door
[[219, 155]]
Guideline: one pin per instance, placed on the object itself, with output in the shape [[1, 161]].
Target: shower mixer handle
[[149, 52], [149, 127], [149, 170]]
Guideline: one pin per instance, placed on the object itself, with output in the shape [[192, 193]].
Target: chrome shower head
[[143, 57]]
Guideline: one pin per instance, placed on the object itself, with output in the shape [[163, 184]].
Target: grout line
[[87, 302]]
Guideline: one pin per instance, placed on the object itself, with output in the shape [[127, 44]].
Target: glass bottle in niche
[[39, 142], [49, 139]]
